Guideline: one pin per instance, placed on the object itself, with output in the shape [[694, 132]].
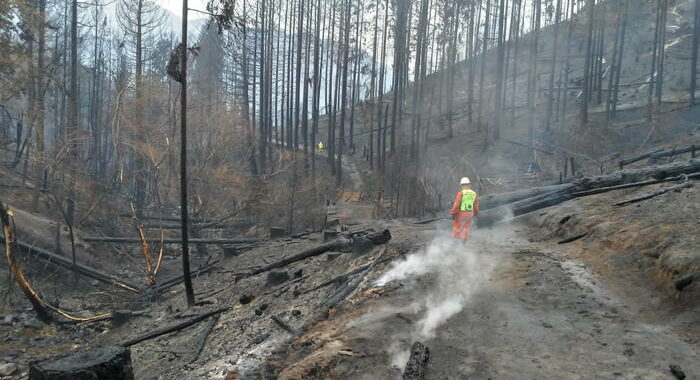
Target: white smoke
[[454, 272]]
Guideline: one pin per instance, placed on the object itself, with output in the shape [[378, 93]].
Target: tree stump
[[101, 363]]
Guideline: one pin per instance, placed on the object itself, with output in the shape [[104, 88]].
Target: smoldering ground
[[441, 279]]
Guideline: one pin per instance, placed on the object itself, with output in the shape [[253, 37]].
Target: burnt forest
[[349, 189]]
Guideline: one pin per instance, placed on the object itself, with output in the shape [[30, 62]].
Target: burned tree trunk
[[585, 186], [586, 71], [694, 52], [354, 244], [415, 368]]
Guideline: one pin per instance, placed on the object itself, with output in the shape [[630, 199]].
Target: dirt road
[[500, 308]]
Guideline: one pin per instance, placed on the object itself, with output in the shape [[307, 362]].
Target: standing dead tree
[[587, 66], [139, 19], [694, 54]]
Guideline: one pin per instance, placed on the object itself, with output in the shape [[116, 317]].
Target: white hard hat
[[464, 181]]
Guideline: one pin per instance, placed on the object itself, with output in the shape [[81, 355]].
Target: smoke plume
[[454, 272]]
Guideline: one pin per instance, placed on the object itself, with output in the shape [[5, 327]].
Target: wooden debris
[[340, 244], [316, 251], [205, 336], [80, 268], [634, 159], [496, 200], [655, 156], [344, 291], [677, 371], [103, 363], [572, 238], [587, 186], [284, 325], [125, 240], [417, 362], [677, 187], [338, 279], [172, 328]]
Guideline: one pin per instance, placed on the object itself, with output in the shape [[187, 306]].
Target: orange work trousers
[[461, 225]]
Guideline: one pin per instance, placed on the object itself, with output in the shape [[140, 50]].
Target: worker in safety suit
[[465, 207]]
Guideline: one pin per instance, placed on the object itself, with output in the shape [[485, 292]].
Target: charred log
[[353, 244], [417, 362], [80, 268], [589, 186], [677, 187], [112, 239], [172, 328]]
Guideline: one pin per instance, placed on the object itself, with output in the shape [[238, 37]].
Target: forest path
[[350, 206], [348, 164], [500, 307]]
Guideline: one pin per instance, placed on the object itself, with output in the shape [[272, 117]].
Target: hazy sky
[[175, 6]]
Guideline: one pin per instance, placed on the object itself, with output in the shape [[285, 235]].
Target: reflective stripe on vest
[[468, 198]]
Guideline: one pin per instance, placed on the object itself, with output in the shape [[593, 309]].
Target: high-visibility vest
[[468, 199]]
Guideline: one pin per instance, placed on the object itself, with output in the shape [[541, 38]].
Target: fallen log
[[677, 371], [111, 239], [496, 200], [417, 362], [284, 325], [655, 156], [343, 292], [172, 328], [338, 279], [340, 244], [573, 238], [616, 187], [634, 159], [172, 226], [103, 363], [637, 175], [634, 184], [589, 186], [345, 276], [316, 251], [677, 187], [542, 201], [80, 268], [203, 339], [164, 218]]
